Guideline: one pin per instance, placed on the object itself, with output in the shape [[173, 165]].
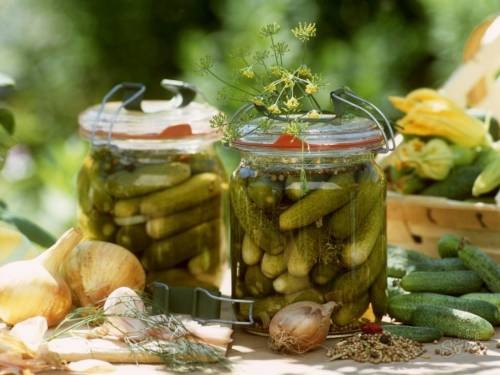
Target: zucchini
[[453, 322], [402, 306], [487, 269], [420, 334], [458, 184], [444, 282], [448, 246], [326, 198], [358, 248], [263, 232]]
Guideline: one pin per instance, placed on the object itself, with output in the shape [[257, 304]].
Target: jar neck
[[305, 161]]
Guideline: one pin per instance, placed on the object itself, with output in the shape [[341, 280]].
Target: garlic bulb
[[35, 287], [300, 327], [95, 269], [120, 308]]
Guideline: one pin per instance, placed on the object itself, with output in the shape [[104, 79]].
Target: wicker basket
[[417, 222]]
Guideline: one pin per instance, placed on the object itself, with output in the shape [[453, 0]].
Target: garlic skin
[[300, 327], [36, 287], [94, 269]]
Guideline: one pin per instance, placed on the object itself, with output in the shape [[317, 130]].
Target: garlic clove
[[210, 334], [120, 308], [31, 332], [90, 366]]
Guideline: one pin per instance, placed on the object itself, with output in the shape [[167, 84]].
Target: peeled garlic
[[31, 332], [95, 269], [36, 287], [300, 327], [120, 308]]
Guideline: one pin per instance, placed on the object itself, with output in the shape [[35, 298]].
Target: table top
[[249, 355]]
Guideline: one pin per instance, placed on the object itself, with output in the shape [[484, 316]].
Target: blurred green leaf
[[6, 86], [7, 120], [31, 230]]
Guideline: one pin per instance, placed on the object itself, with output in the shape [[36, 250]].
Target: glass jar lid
[[328, 132], [148, 120]]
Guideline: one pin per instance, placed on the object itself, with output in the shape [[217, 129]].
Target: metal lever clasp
[[164, 300], [249, 322], [184, 93], [339, 99], [132, 100]]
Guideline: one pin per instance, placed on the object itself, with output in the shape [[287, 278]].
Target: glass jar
[[307, 220], [153, 184]]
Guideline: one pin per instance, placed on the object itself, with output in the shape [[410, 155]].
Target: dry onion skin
[[300, 327], [94, 269]]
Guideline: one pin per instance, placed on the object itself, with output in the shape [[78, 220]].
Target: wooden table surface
[[249, 355]]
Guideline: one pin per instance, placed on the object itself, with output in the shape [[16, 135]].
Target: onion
[[300, 327]]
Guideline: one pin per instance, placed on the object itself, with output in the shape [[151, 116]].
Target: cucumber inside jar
[[319, 239], [165, 208]]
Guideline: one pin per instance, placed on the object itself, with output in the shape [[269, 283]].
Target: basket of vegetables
[[444, 176]]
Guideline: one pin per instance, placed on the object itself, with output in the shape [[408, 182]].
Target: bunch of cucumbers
[[315, 234], [457, 295], [166, 209]]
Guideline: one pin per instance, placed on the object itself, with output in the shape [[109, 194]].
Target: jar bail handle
[[132, 98], [344, 95], [184, 93]]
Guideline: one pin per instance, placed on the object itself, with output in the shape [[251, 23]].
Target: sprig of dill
[[180, 353], [267, 86]]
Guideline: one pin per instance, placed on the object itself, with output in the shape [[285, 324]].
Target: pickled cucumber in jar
[[157, 189], [326, 237]]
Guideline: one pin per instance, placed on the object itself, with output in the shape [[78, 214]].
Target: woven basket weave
[[417, 222]]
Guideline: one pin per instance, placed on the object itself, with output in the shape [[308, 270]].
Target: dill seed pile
[[376, 348]]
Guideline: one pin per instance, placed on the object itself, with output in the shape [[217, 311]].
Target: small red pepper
[[371, 328]]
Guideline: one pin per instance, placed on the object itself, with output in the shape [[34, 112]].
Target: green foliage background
[[65, 54]]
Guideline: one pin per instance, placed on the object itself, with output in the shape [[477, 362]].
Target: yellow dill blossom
[[258, 102], [248, 72], [292, 103], [304, 72], [304, 31], [311, 88], [270, 88], [288, 79], [276, 71], [274, 109], [313, 114]]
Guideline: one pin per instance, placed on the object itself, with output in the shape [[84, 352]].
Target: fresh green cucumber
[[401, 307], [448, 246], [453, 322], [446, 264], [487, 269], [420, 334], [320, 202], [493, 298], [444, 282]]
